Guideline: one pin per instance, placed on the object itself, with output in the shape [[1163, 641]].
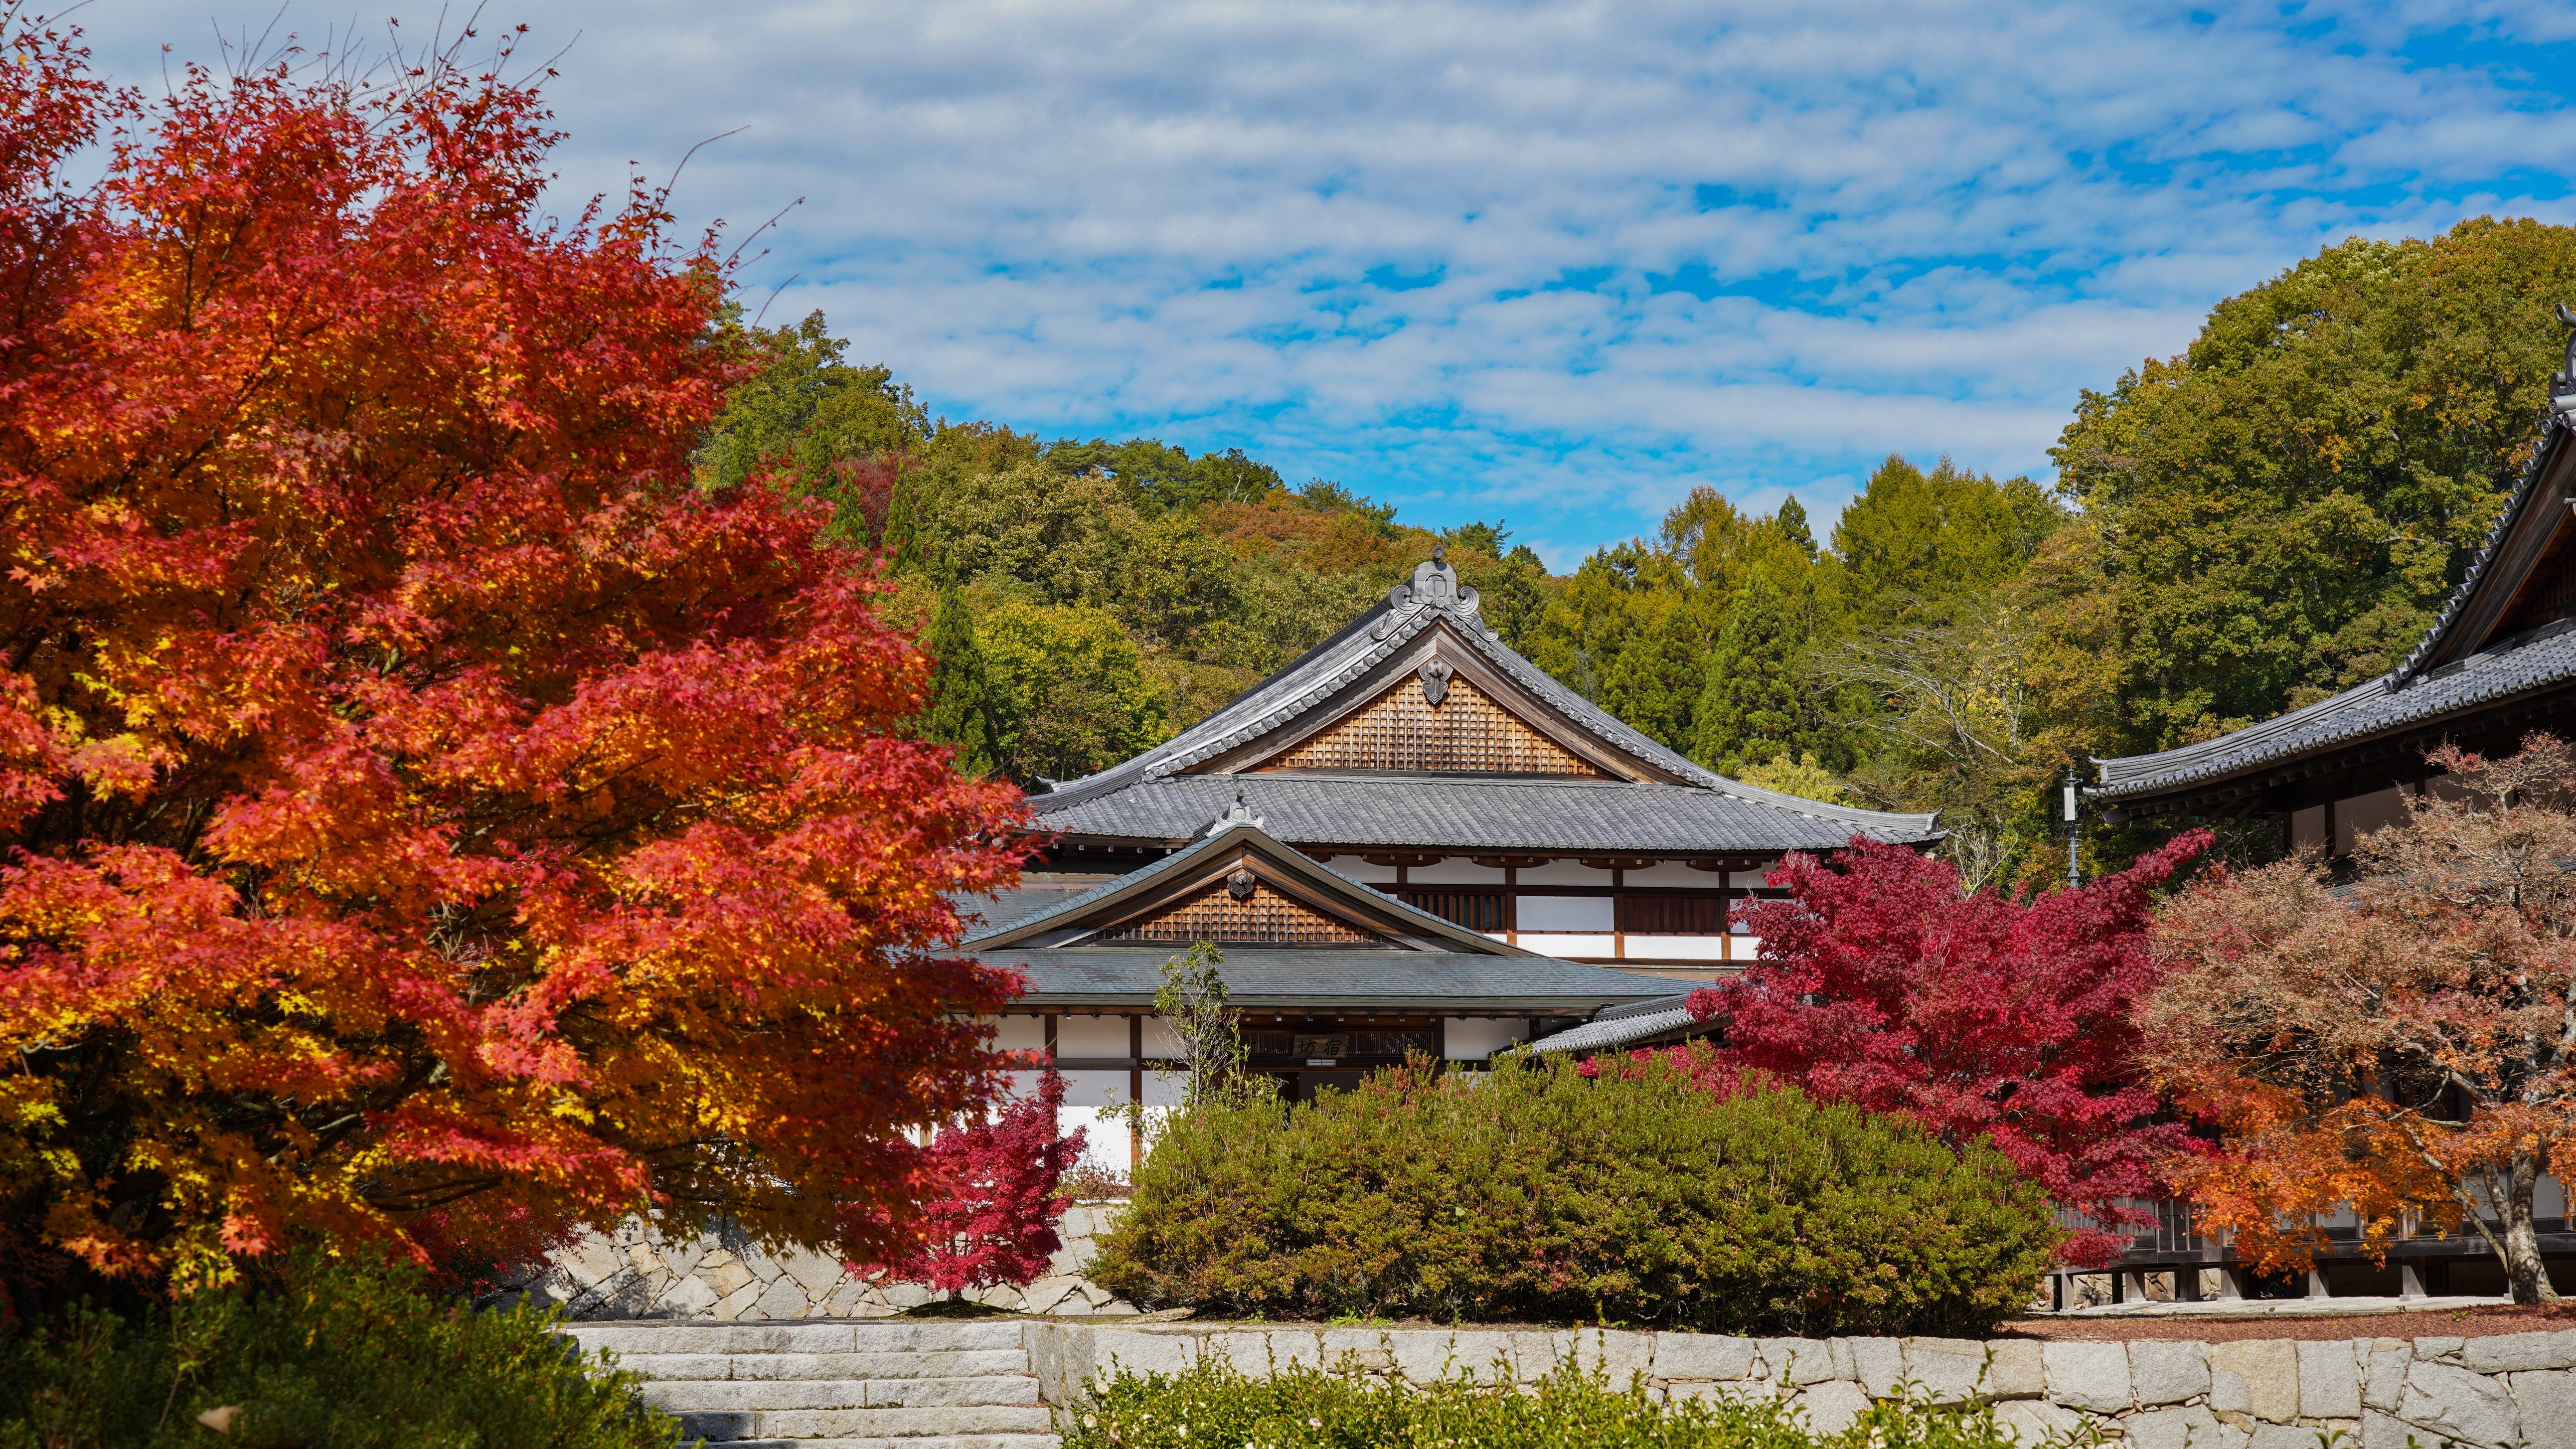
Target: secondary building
[[2498, 663], [1439, 848]]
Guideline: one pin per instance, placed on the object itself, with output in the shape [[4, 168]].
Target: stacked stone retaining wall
[[2516, 1390], [724, 1277]]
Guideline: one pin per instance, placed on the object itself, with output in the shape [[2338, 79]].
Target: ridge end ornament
[[1434, 674], [1233, 815], [2562, 388]]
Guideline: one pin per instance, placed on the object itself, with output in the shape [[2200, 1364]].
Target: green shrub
[[1538, 1193], [350, 1356], [1299, 1407]]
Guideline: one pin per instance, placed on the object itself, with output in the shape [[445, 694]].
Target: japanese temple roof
[[1236, 833], [1332, 978], [1421, 962], [2460, 668], [1497, 813], [1650, 798], [1639, 1023]]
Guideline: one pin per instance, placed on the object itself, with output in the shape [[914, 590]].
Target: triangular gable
[[1421, 685], [1437, 705], [1239, 886]]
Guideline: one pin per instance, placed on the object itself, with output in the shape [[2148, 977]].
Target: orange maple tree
[[2400, 1047], [427, 815]]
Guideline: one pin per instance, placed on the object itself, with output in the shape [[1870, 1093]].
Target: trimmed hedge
[[350, 1356], [1301, 1407], [1537, 1192]]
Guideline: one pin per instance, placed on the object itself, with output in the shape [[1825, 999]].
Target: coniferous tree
[[963, 702], [1755, 706], [902, 537]]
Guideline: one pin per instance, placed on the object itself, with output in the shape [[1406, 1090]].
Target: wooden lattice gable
[[1438, 706], [1238, 885], [1432, 632]]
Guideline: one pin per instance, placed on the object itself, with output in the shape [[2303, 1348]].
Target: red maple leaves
[[1979, 1016], [418, 797]]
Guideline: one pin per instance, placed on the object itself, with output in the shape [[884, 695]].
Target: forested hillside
[[2268, 518]]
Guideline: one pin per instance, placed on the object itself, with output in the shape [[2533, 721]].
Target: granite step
[[832, 1384]]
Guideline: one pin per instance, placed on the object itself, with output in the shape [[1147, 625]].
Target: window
[[1692, 915], [1475, 910]]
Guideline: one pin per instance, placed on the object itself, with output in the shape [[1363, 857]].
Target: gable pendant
[[1434, 675]]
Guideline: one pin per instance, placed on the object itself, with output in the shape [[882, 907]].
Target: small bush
[[349, 1356], [1301, 1407], [1537, 1192]]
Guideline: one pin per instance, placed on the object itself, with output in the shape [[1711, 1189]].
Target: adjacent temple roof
[[2496, 659], [1636, 1024], [1415, 727], [1294, 933]]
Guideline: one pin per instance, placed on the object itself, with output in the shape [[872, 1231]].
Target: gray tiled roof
[[1224, 837], [1481, 813], [1623, 1025], [2543, 657], [1707, 812], [2526, 662], [1320, 977]]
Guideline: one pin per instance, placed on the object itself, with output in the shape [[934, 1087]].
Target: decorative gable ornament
[[1434, 587], [2562, 388], [1434, 675], [1233, 815], [1240, 884]]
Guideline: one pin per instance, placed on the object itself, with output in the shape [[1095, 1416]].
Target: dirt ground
[[2473, 1322]]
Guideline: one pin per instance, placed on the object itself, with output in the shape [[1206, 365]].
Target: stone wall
[[724, 1277], [2517, 1389]]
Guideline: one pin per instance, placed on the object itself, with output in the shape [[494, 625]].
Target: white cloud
[[1885, 225]]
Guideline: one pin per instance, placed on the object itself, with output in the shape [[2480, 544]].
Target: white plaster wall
[[1561, 872], [1566, 913], [1454, 870], [1678, 948], [1358, 869], [1472, 1039], [1017, 1033], [1674, 873], [1091, 1036], [1596, 946]]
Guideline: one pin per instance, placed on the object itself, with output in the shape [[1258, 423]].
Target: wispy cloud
[[1557, 262]]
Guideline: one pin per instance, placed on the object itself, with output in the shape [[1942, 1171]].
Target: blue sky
[[1552, 264]]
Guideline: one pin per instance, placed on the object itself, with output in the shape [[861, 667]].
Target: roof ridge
[[1233, 830], [2123, 776], [2553, 426]]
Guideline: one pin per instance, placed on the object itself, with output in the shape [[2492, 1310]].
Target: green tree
[[2277, 513], [809, 417], [966, 710], [1757, 705], [1074, 690], [1913, 542]]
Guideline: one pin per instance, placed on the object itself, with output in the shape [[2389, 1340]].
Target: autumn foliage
[[2403, 1046], [1979, 1016], [427, 816], [1001, 1197]]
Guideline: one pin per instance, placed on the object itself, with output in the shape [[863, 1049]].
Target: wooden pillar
[[1135, 1095]]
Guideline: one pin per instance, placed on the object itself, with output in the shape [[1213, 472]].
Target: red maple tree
[[1879, 984], [416, 797], [1001, 1197]]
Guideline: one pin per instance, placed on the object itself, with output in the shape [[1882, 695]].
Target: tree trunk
[[2519, 1242]]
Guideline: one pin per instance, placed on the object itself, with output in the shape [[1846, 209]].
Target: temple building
[[1410, 839], [2498, 663]]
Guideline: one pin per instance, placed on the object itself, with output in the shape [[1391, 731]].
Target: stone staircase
[[804, 1384]]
